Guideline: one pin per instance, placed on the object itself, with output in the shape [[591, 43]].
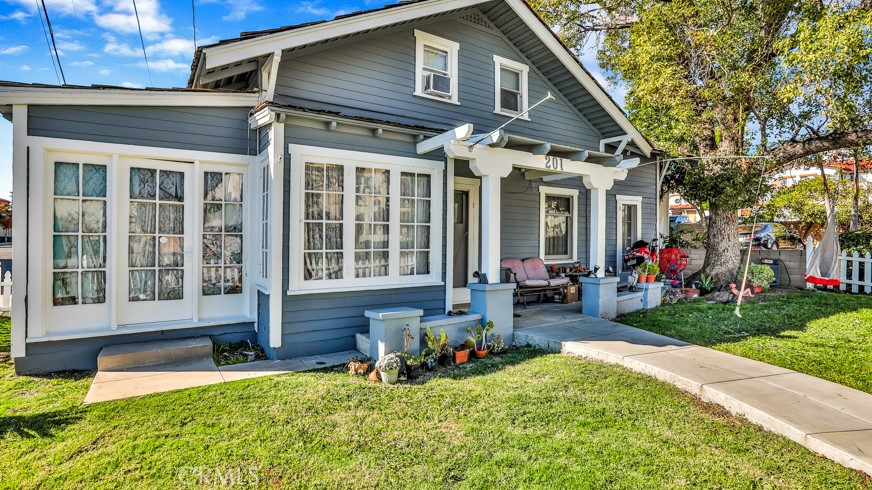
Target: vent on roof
[[477, 19]]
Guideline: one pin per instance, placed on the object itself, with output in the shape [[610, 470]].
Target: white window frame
[[620, 201], [300, 155], [523, 70], [545, 191], [264, 216], [423, 39]]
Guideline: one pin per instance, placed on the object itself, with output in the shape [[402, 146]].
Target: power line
[[51, 33], [47, 43], [194, 22], [142, 42]]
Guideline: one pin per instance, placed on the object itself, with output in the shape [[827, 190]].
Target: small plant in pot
[[642, 271], [480, 344], [653, 270], [705, 284], [389, 368], [496, 345], [461, 354], [759, 276], [439, 346]]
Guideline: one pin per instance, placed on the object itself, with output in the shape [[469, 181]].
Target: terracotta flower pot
[[481, 354], [690, 293], [643, 278], [373, 375], [461, 356], [758, 289], [651, 278]]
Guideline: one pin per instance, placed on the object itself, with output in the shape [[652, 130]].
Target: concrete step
[[123, 356], [362, 342]]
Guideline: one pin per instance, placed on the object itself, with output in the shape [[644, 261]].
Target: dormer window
[[510, 88], [436, 67]]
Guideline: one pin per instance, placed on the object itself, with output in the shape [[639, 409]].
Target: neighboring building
[[678, 206], [310, 173], [5, 228]]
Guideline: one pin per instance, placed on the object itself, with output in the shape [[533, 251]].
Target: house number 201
[[553, 163]]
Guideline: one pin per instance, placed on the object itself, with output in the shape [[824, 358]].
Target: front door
[[466, 229], [155, 265]]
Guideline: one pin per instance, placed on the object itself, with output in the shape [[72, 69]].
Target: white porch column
[[491, 172], [598, 185]]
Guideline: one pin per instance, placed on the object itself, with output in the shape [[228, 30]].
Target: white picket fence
[[6, 292], [855, 270]]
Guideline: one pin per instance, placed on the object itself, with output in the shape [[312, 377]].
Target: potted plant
[[479, 336], [759, 276], [705, 284], [389, 368], [642, 271], [652, 269], [461, 354], [496, 346], [439, 346]]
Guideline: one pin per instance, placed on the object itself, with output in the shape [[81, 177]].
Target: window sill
[[374, 287], [525, 117], [565, 260], [438, 99]]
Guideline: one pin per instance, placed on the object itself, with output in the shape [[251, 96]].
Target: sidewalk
[[825, 417]]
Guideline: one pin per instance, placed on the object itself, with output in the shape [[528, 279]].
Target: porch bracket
[[440, 140]]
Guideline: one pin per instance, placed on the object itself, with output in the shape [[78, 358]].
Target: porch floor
[[827, 418], [138, 381]]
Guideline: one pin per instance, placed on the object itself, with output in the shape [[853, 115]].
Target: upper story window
[[510, 87], [436, 67]]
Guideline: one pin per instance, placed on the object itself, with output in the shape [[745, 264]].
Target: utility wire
[[47, 43], [194, 22], [51, 33], [142, 42]]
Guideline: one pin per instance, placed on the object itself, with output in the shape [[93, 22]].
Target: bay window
[[363, 220]]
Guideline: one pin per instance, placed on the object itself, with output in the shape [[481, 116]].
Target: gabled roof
[[513, 17]]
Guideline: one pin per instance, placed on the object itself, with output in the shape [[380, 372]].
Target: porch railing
[[6, 292], [855, 270]]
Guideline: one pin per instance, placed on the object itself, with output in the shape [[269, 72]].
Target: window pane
[[212, 281], [333, 265], [380, 266], [407, 184], [423, 237], [407, 263], [381, 182], [65, 288], [94, 216], [510, 101], [170, 285], [93, 287], [407, 237], [171, 252], [380, 236], [333, 207], [314, 177], [407, 210], [314, 236], [422, 264], [213, 217], [363, 208], [66, 179], [558, 204], [423, 213], [362, 236], [313, 266], [213, 186], [141, 251], [93, 180], [66, 252], [143, 183], [171, 219], [233, 280], [423, 185], [333, 236], [556, 235], [232, 249], [435, 58], [335, 181], [381, 210], [93, 252], [363, 180], [172, 186], [362, 264], [233, 218], [66, 215], [510, 79], [314, 206], [142, 217], [141, 285], [212, 250], [233, 187]]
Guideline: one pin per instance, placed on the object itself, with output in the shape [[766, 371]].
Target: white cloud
[[238, 9], [25, 68], [60, 7], [117, 48], [313, 8], [175, 46], [70, 46], [105, 72], [131, 85], [18, 15], [14, 50], [122, 18], [165, 65], [82, 63]]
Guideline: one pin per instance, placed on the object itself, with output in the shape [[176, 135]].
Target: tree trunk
[[722, 255]]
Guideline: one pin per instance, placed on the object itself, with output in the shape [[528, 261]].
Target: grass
[[522, 420], [827, 335]]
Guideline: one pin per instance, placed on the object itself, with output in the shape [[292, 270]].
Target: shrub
[[758, 275], [857, 241], [390, 362]]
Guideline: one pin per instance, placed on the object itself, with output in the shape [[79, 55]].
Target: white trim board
[[573, 245], [523, 85], [619, 228], [119, 97]]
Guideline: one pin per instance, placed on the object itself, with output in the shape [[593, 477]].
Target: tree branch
[[793, 150]]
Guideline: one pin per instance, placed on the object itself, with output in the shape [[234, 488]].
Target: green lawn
[[827, 335], [523, 420]]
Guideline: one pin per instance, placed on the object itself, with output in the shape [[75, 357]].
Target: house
[[310, 173]]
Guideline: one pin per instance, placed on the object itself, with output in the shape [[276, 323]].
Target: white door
[[466, 230], [156, 242]]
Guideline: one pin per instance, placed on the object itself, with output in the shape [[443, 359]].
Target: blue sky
[[98, 41]]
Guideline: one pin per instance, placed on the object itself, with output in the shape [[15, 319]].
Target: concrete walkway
[[138, 381], [828, 418]]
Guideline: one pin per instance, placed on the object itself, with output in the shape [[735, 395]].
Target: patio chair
[[531, 277]]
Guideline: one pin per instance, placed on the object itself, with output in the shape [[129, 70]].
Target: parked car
[[770, 236], [679, 219]]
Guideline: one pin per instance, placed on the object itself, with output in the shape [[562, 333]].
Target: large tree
[[723, 78]]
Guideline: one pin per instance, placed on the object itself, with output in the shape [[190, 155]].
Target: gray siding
[[374, 77], [641, 181], [263, 138], [216, 129], [263, 323], [81, 354], [326, 322]]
